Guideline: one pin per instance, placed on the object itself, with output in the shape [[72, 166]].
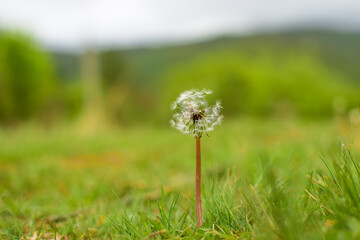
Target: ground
[[261, 179]]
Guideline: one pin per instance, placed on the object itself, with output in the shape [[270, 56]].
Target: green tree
[[26, 77]]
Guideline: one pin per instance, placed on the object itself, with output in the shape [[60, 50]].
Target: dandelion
[[194, 117]]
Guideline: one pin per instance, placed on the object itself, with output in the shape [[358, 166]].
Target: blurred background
[[118, 63]]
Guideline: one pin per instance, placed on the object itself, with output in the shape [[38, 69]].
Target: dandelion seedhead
[[193, 115]]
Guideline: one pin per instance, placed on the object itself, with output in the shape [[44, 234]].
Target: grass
[[272, 179]]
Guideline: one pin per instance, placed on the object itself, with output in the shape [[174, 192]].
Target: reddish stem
[[198, 184]]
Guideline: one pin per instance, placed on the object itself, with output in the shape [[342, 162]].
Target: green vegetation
[[294, 73], [27, 81], [287, 84], [29, 86], [303, 74], [261, 179]]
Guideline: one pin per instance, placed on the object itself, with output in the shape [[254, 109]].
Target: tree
[[26, 77]]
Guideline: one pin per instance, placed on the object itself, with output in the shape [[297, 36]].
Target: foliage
[[306, 74], [266, 83], [114, 69], [26, 78], [302, 73]]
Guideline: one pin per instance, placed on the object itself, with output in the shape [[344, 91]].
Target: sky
[[75, 23]]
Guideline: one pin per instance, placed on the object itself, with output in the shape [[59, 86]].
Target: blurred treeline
[[310, 74]]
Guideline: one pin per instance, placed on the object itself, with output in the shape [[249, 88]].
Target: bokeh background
[[123, 63], [86, 88]]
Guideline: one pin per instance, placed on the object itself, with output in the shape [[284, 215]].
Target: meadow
[[86, 150], [273, 178]]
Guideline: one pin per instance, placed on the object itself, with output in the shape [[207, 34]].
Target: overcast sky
[[71, 23]]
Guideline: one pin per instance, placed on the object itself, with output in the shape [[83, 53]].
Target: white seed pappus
[[193, 115]]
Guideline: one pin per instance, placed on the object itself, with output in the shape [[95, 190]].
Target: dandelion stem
[[198, 183]]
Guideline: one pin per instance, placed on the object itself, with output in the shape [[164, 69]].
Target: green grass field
[[273, 179]]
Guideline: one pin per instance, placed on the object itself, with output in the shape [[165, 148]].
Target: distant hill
[[338, 50]]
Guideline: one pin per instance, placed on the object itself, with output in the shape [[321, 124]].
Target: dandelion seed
[[193, 115]]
